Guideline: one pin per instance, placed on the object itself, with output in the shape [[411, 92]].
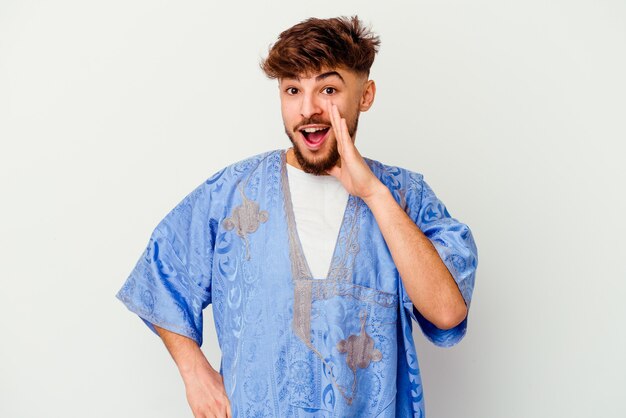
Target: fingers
[[344, 135], [207, 396], [340, 129], [334, 121], [344, 130]]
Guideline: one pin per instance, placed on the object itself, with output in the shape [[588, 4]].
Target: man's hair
[[314, 44]]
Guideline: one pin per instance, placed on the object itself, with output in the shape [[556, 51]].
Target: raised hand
[[353, 172]]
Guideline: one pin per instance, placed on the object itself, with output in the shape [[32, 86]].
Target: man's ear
[[367, 98]]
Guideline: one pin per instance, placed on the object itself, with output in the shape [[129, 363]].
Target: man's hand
[[427, 280], [206, 393], [353, 172], [204, 386]]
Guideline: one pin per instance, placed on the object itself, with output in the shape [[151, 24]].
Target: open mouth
[[314, 136]]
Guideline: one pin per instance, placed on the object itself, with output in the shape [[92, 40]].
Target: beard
[[319, 165]]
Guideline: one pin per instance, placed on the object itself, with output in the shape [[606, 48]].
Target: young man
[[315, 259]]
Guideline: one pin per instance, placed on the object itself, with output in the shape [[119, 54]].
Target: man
[[315, 259]]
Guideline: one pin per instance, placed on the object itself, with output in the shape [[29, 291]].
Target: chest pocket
[[354, 345]]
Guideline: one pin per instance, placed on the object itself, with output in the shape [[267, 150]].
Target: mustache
[[311, 121]]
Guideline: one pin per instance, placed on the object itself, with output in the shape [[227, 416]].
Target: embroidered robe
[[294, 345]]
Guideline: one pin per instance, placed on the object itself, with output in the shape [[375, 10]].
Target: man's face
[[305, 106]]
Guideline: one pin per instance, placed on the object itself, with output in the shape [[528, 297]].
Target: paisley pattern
[[295, 345]]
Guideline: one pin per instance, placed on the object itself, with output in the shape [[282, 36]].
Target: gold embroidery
[[246, 218], [338, 283], [360, 351]]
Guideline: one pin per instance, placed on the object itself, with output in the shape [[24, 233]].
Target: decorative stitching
[[246, 218], [360, 351]]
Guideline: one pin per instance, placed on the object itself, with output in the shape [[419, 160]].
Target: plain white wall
[[111, 112]]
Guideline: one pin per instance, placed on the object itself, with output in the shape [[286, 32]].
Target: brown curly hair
[[314, 44]]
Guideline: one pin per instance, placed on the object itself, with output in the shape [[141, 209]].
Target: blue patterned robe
[[294, 345]]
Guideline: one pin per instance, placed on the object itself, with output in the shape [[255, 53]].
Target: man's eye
[[329, 90], [291, 90]]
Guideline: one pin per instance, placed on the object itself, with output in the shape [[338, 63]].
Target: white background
[[111, 112]]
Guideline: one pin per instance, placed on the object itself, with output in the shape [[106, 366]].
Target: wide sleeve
[[171, 283], [455, 244]]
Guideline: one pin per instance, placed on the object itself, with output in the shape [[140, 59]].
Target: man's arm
[[203, 384], [427, 280], [428, 283]]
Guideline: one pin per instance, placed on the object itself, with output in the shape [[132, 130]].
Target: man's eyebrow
[[329, 74], [318, 78]]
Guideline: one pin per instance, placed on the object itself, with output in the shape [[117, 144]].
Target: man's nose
[[310, 106]]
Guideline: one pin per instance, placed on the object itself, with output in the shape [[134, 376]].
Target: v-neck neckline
[[291, 221]]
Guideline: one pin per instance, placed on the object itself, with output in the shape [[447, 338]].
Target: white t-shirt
[[319, 203]]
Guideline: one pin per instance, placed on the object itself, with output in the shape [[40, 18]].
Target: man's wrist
[[378, 193], [193, 363]]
